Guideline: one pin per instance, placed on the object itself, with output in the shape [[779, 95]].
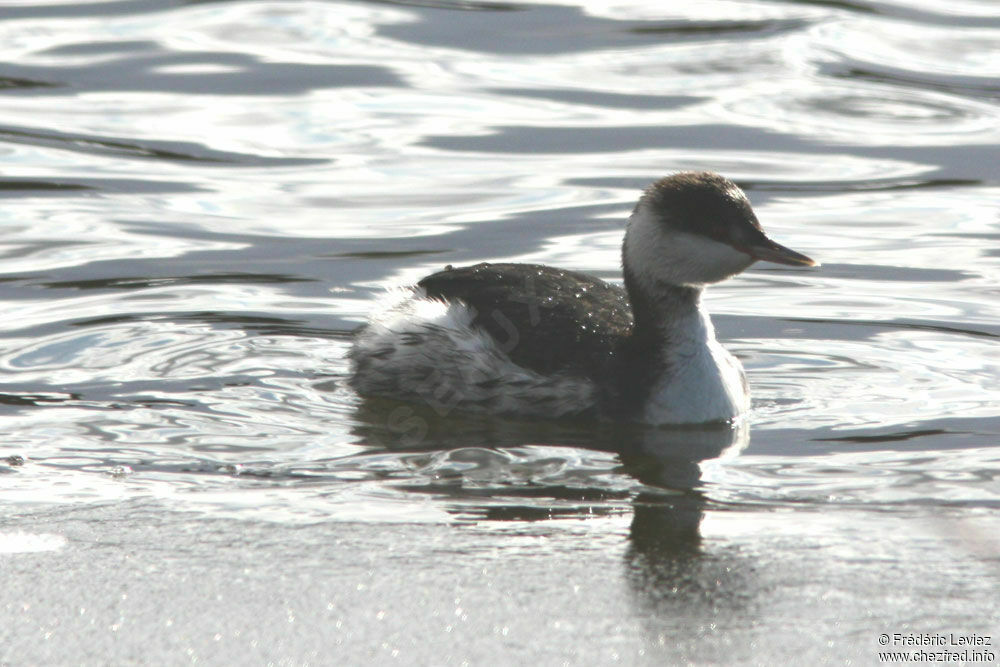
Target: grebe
[[537, 341]]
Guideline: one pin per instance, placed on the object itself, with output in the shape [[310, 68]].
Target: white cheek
[[700, 260], [658, 255]]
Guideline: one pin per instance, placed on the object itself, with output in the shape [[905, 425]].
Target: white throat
[[703, 383]]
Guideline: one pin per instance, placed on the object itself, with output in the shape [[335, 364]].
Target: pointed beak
[[769, 251]]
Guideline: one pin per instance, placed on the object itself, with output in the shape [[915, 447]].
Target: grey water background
[[200, 200]]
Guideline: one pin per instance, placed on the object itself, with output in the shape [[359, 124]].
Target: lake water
[[200, 200]]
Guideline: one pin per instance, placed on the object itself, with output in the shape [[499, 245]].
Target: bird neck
[[660, 307], [664, 316]]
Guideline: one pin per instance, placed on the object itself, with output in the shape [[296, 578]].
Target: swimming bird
[[536, 341]]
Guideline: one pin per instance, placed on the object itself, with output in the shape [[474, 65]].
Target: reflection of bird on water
[[667, 568], [535, 341], [666, 460], [670, 459], [664, 560]]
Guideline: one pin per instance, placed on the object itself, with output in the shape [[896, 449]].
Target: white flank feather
[[425, 350]]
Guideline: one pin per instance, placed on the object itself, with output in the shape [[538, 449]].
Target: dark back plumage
[[547, 320]]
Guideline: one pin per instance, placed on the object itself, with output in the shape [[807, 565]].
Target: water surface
[[202, 199]]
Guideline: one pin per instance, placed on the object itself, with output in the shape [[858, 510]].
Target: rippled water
[[202, 199]]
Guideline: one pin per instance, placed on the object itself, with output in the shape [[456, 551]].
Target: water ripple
[[911, 55], [201, 198], [139, 149]]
